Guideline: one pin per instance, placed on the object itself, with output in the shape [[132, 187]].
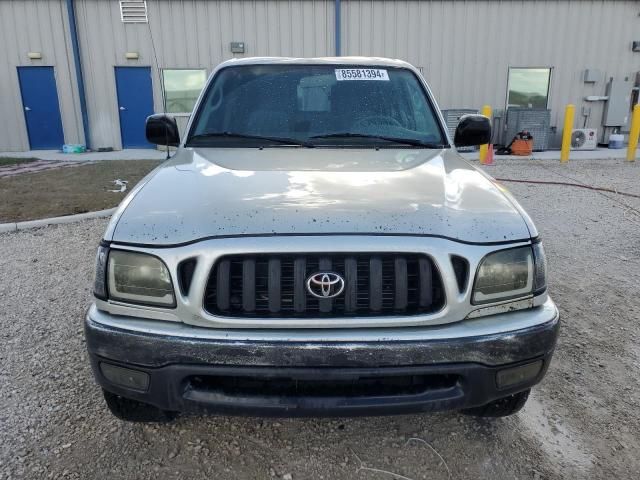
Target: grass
[[9, 161], [70, 190]]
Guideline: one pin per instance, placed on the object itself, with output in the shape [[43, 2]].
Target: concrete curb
[[15, 226]]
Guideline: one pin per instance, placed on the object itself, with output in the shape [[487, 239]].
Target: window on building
[[528, 87], [181, 88]]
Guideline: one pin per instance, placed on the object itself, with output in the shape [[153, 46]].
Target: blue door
[[41, 107], [135, 104]]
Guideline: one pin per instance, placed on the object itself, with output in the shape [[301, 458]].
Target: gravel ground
[[583, 421]]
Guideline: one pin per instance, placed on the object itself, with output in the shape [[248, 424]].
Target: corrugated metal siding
[[35, 26], [190, 34], [467, 47], [464, 47]]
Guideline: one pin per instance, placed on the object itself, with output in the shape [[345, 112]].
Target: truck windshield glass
[[315, 105]]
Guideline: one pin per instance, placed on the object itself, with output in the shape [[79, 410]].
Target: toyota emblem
[[325, 284]]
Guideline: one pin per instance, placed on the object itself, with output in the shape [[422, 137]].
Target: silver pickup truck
[[316, 246]]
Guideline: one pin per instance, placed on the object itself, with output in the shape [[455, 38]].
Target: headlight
[[503, 275], [139, 278]]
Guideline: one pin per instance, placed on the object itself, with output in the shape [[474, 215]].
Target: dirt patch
[[36, 166], [66, 191], [9, 161]]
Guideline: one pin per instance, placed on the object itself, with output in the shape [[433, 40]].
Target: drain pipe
[[75, 44], [337, 27]]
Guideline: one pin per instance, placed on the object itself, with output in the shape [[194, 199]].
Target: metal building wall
[[466, 47], [189, 34], [35, 26]]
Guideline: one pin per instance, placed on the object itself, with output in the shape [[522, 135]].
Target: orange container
[[522, 147]]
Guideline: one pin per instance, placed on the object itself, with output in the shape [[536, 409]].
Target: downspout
[[337, 27], [75, 44]]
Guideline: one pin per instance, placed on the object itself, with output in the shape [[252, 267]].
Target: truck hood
[[203, 193]]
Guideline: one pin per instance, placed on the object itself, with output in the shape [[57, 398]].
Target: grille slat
[[351, 287], [426, 291], [275, 269], [299, 292], [375, 284], [249, 285], [402, 290], [222, 285], [274, 285]]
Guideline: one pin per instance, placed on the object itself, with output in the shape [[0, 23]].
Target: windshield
[[315, 106]]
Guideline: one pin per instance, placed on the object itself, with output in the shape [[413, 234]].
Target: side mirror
[[473, 130], [162, 130]]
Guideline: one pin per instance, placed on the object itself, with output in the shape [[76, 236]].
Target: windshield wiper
[[407, 141], [289, 141]]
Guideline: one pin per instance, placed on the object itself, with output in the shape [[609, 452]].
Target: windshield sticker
[[361, 74]]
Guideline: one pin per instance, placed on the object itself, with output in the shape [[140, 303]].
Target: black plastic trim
[[185, 270], [171, 360], [462, 277], [171, 388], [426, 302]]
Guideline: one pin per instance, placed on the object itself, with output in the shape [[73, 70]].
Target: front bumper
[[240, 372]]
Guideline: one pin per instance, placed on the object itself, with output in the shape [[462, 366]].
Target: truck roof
[[378, 61]]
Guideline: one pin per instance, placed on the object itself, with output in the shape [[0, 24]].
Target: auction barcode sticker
[[361, 74]]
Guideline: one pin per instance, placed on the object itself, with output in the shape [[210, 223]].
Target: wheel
[[134, 411], [502, 407]]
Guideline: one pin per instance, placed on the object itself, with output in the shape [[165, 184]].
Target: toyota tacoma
[[316, 246]]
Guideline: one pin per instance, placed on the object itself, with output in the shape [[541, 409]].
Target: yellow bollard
[[486, 111], [634, 133], [566, 133]]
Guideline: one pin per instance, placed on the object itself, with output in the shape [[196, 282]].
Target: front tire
[[134, 411], [502, 407]]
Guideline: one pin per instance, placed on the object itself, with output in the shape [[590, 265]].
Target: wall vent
[[133, 11]]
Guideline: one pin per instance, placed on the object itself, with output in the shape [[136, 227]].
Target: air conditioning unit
[[584, 139]]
